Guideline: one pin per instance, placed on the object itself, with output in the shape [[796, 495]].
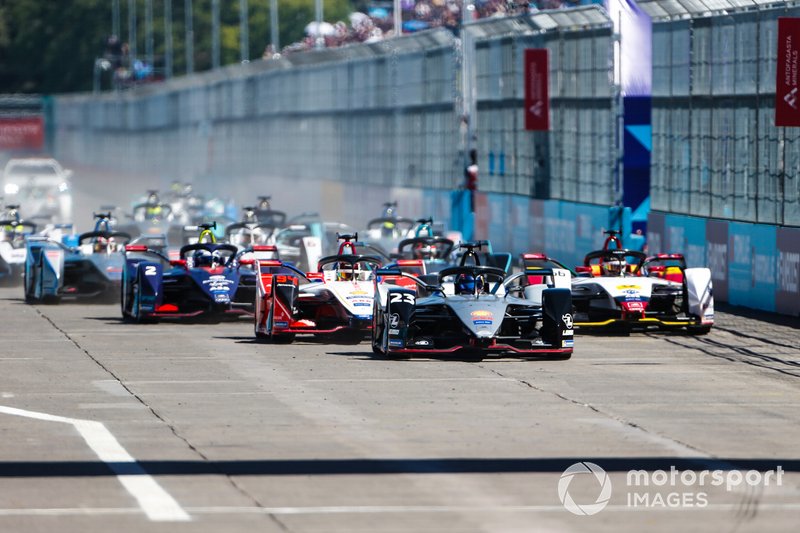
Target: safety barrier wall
[[373, 114], [576, 159], [388, 113], [716, 152], [753, 265]]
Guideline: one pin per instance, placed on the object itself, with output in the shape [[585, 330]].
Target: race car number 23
[[405, 298]]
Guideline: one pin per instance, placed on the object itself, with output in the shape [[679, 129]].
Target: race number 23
[[405, 298]]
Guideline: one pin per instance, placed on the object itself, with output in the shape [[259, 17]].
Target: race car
[[475, 309], [13, 232], [307, 238], [623, 290], [389, 229], [266, 215], [249, 230], [41, 186], [92, 268], [337, 299], [208, 278], [153, 217]]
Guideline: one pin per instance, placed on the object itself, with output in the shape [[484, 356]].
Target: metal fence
[[716, 151], [576, 159], [389, 113]]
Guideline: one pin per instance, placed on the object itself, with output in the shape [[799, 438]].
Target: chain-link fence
[[576, 159], [716, 150]]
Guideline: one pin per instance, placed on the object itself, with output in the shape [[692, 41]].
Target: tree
[[48, 46]]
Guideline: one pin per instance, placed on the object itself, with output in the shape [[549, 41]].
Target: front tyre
[[698, 330]]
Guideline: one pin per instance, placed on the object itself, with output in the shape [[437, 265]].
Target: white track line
[[386, 509], [156, 503]]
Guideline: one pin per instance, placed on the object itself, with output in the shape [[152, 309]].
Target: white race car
[[624, 289], [337, 299]]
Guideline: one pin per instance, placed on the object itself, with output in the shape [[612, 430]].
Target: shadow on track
[[393, 466]]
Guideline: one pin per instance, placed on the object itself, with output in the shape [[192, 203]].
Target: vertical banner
[[537, 95], [787, 97]]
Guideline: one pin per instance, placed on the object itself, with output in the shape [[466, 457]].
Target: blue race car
[[208, 278], [89, 266]]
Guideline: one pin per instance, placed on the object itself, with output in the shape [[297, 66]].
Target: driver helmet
[[424, 251], [249, 216], [387, 229], [100, 245], [201, 258], [348, 272], [216, 259], [614, 267], [465, 284], [153, 210]]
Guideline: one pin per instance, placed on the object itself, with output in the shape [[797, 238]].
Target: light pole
[[273, 26], [131, 31], [115, 18], [397, 16], [244, 32], [214, 33], [319, 43], [168, 39], [189, 36], [148, 32]]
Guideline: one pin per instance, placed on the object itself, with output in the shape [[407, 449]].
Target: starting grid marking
[[153, 500], [384, 509]]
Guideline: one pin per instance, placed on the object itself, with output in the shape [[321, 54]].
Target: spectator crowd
[[377, 23]]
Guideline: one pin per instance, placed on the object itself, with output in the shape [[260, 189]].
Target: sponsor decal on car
[[396, 342], [281, 324], [567, 343], [567, 318], [393, 331], [482, 318], [218, 283], [628, 287], [394, 320]]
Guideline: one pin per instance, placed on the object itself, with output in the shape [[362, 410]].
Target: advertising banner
[[537, 95], [21, 133], [751, 265], [787, 294], [787, 99], [717, 256]]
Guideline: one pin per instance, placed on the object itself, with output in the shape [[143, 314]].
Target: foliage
[[49, 46]]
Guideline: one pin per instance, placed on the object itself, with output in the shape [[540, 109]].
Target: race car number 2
[[150, 270]]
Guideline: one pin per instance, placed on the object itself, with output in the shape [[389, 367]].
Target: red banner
[[537, 95], [787, 90], [21, 133]]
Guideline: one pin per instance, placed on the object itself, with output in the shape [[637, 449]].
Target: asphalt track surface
[[108, 426]]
